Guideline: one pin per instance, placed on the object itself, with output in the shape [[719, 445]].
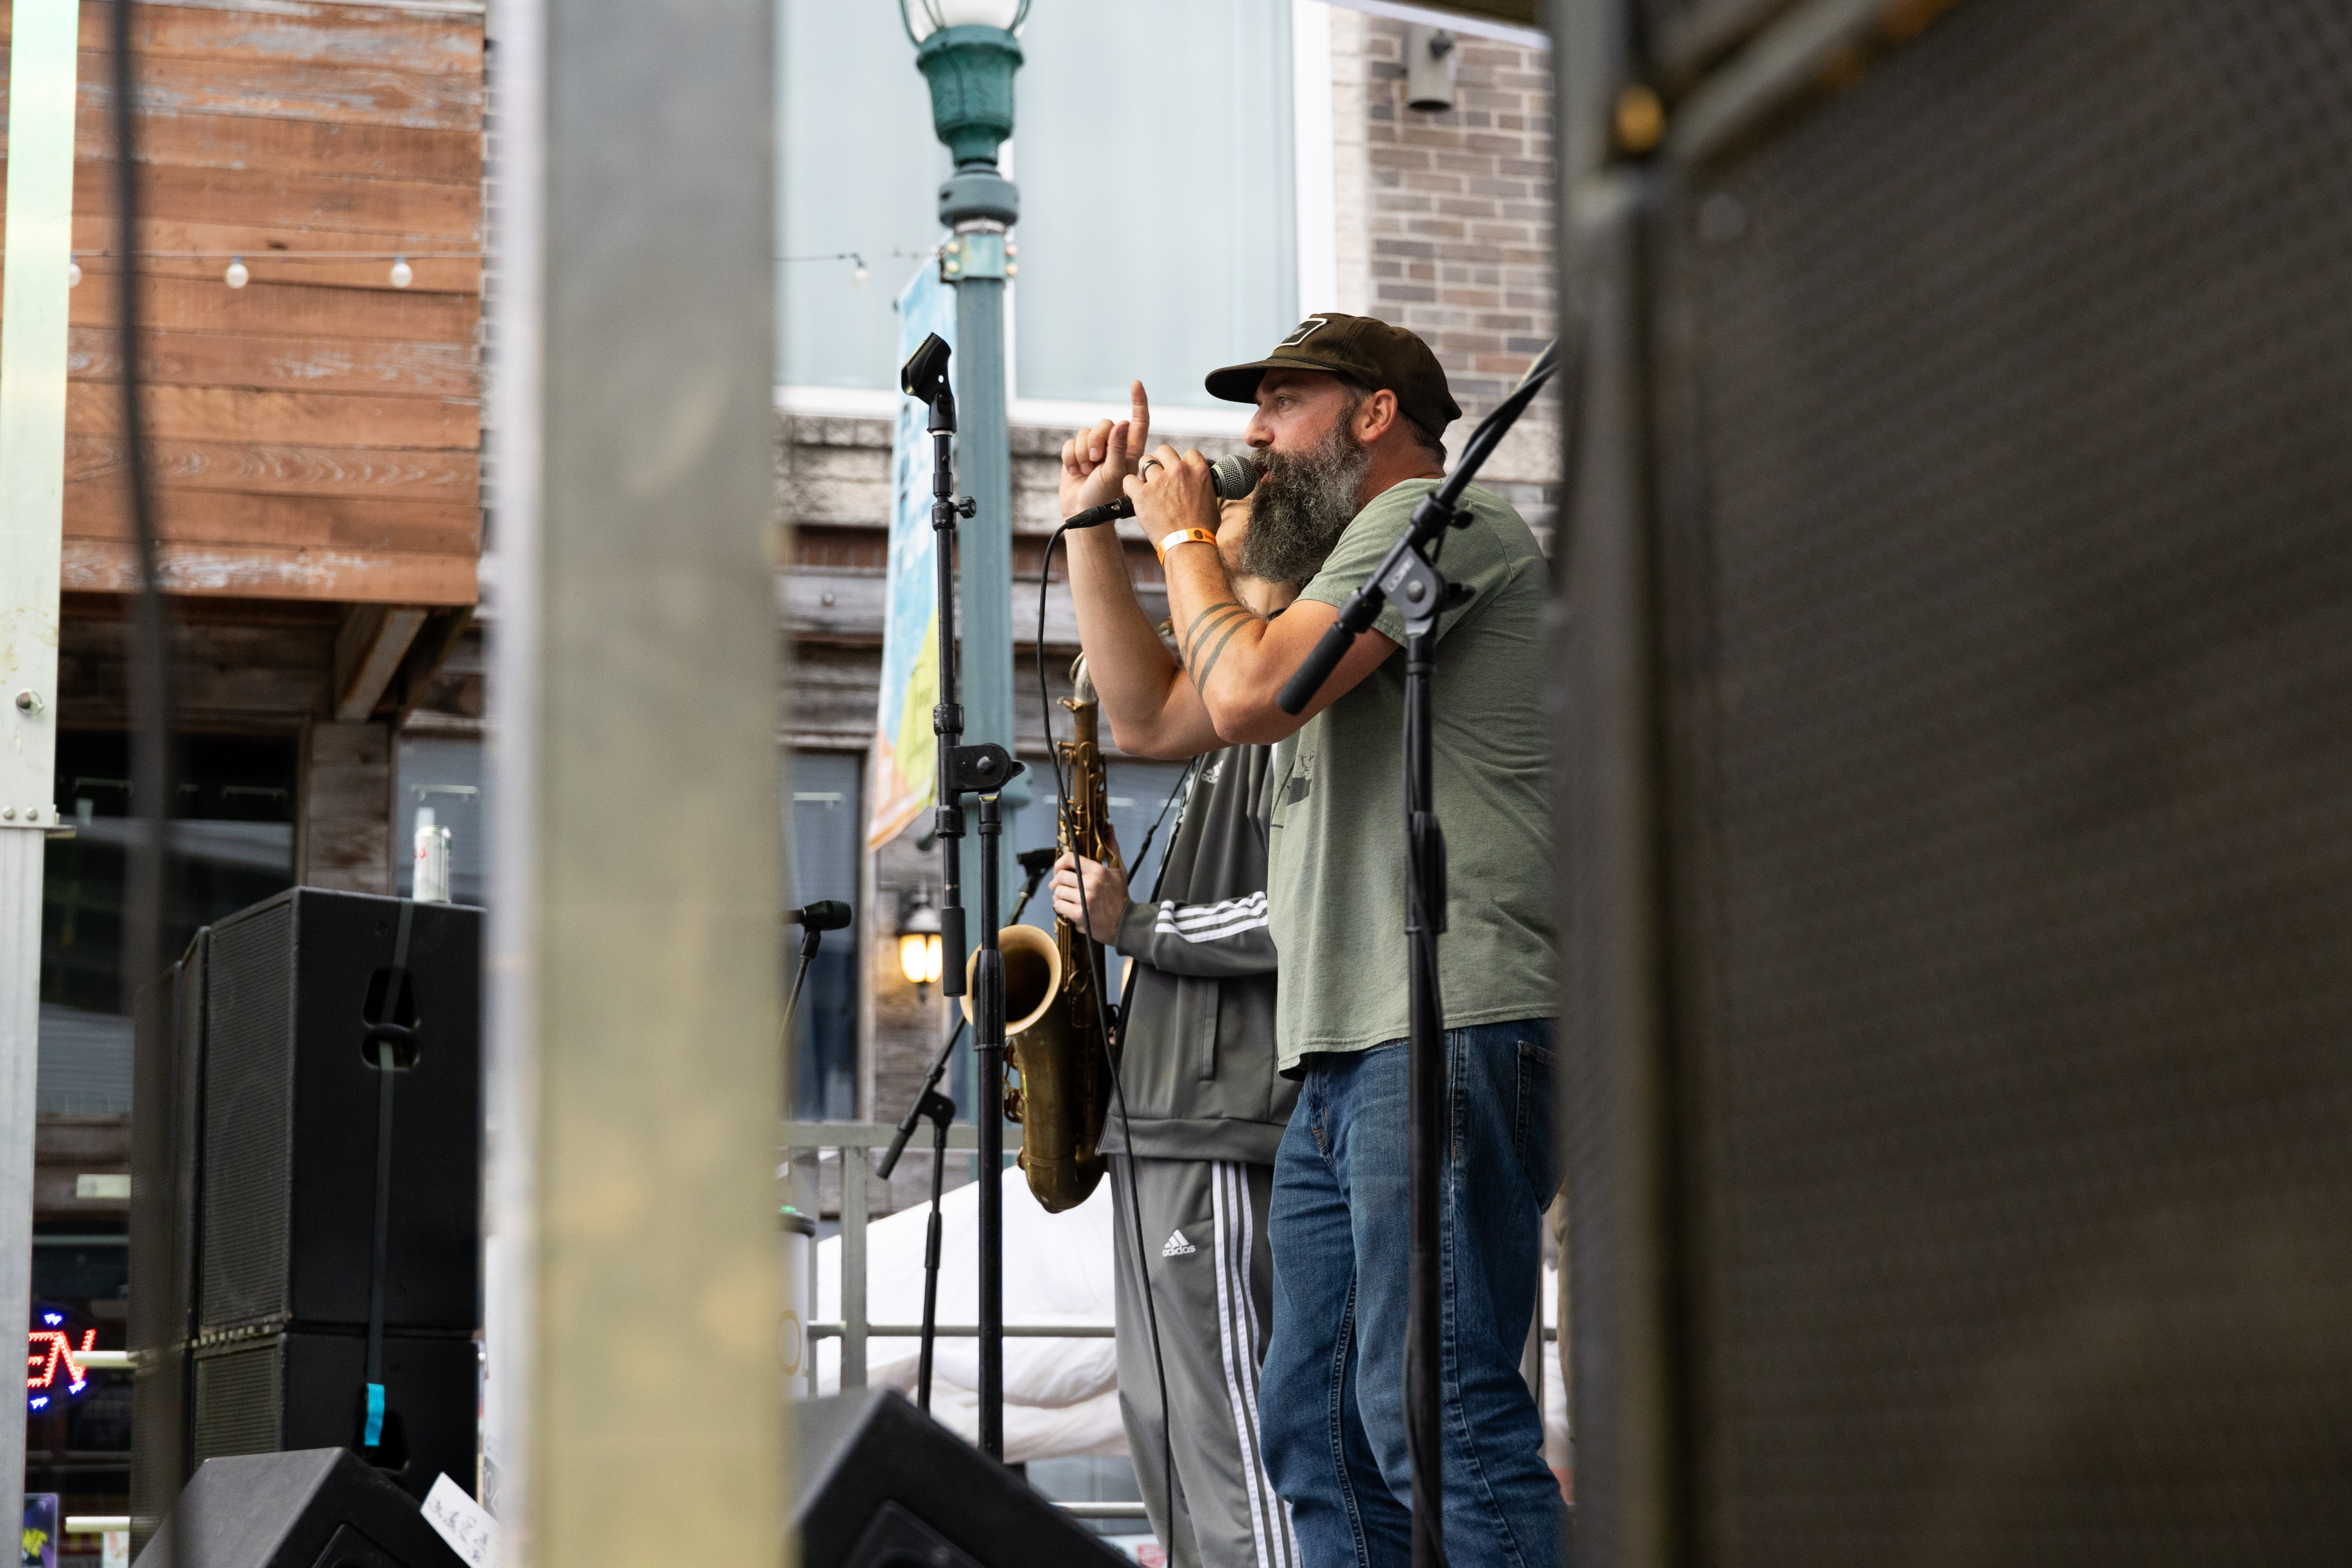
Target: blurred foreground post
[[637, 1412], [40, 149]]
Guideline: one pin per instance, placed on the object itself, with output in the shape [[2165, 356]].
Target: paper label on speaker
[[468, 1529]]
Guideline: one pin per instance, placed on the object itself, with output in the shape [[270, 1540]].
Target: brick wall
[[1460, 217], [1454, 216]]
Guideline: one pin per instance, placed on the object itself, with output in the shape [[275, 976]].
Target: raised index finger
[[1139, 418]]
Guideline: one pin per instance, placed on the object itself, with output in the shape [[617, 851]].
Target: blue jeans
[[1331, 1410]]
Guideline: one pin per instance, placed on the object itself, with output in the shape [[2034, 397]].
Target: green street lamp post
[[967, 51]]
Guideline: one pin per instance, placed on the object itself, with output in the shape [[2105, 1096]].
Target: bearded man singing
[[1350, 415]]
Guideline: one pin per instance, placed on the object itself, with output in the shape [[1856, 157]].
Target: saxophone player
[[1192, 1166]]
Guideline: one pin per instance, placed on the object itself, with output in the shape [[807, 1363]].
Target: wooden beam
[[453, 156], [226, 414], [368, 652], [429, 217], [343, 828], [385, 39], [262, 361], [283, 523], [334, 92], [250, 570], [208, 305], [274, 468]]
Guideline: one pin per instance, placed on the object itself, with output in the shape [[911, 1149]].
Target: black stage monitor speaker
[[1958, 819], [882, 1485], [320, 1508]]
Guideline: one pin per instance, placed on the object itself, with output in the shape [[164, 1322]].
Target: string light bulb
[[859, 276], [403, 275], [236, 277], [73, 273]]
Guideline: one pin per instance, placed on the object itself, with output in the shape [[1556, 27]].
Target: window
[[823, 826], [1195, 211], [232, 844]]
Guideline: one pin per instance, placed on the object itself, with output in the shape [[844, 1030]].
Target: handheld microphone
[[1232, 476], [825, 914]]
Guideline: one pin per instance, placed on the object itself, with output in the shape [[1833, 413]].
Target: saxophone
[[1055, 1014]]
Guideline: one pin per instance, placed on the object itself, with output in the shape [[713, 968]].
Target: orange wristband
[[1184, 536]]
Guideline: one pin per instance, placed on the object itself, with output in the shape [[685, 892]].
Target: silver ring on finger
[[1146, 466]]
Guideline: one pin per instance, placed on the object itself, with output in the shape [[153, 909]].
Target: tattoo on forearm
[[1222, 610], [1209, 665]]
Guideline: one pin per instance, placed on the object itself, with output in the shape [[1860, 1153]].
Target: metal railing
[[854, 1329], [852, 1142], [812, 1141]]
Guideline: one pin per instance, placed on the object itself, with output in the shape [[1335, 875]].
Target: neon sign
[[54, 1373]]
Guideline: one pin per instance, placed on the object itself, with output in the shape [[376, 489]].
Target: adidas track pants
[[1212, 1277]]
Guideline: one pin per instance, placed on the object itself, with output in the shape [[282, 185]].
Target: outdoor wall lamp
[[918, 939]]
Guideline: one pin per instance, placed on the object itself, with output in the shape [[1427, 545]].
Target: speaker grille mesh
[[2010, 608], [239, 1398], [249, 1151]]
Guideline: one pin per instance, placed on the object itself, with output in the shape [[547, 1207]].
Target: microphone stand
[[982, 770], [811, 936], [940, 1110], [1409, 575]]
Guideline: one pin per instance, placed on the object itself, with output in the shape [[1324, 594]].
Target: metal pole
[[948, 718], [970, 69], [634, 974], [985, 451], [41, 81], [987, 1111], [1424, 880]]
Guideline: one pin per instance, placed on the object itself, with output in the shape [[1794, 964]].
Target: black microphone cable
[[1102, 1034]]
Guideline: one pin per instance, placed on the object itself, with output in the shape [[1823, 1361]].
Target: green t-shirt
[[1336, 872]]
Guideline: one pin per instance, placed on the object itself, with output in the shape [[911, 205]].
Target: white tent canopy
[[1061, 1395]]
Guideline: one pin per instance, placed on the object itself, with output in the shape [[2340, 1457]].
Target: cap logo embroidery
[[1301, 333]]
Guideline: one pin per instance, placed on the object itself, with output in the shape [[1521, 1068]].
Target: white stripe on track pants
[[1212, 1274]]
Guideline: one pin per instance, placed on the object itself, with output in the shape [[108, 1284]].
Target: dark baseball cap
[[1361, 348]]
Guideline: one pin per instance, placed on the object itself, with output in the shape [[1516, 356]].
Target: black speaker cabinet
[[289, 1115], [318, 1508], [1958, 825], [289, 1391], [882, 1484]]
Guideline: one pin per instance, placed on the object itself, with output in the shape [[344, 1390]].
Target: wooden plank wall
[[316, 434]]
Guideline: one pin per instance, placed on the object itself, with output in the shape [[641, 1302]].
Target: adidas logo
[[1177, 1246]]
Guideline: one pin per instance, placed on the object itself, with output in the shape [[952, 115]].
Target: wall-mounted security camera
[[1430, 60]]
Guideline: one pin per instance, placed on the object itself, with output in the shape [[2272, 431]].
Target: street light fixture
[[967, 50]]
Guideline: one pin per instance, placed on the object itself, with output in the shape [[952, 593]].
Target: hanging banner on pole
[[903, 781]]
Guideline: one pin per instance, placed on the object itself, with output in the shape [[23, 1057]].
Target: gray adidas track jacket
[[1198, 1060]]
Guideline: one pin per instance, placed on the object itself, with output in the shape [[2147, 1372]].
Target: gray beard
[[1302, 506]]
